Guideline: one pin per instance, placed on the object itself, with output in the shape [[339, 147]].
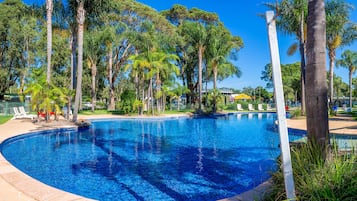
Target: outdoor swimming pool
[[153, 159]]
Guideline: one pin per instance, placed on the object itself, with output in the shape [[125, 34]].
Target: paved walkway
[[337, 125], [17, 186]]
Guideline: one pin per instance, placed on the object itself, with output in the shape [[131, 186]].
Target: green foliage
[[295, 113], [215, 101], [126, 102], [291, 79], [138, 106], [45, 97], [317, 179]]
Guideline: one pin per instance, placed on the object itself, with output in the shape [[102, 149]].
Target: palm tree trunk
[[73, 46], [316, 86], [111, 105], [302, 63], [200, 54], [49, 8], [93, 92], [151, 97], [350, 87], [80, 21], [215, 87], [332, 56]]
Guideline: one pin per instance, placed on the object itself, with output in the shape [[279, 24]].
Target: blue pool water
[[161, 159]]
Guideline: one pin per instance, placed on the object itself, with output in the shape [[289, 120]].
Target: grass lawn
[[4, 119]]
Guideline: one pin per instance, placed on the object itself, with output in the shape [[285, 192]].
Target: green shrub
[[127, 101], [232, 106], [316, 178], [295, 113]]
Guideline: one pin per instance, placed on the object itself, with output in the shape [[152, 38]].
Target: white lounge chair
[[250, 107], [239, 107], [20, 113], [269, 107], [260, 107]]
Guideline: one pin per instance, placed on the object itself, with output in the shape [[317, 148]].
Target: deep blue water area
[[153, 159]]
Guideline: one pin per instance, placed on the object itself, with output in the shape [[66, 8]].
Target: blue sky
[[241, 18]]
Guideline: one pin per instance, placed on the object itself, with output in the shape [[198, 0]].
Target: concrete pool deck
[[17, 186]]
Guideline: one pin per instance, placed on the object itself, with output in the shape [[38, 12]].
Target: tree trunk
[[332, 56], [158, 88], [93, 92], [350, 88], [200, 54], [151, 97], [302, 63], [214, 87], [73, 46], [111, 105], [49, 8], [316, 86], [80, 21]]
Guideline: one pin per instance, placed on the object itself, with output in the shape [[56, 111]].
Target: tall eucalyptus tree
[[16, 48], [349, 61]]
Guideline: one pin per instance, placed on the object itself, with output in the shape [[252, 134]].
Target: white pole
[[280, 107]]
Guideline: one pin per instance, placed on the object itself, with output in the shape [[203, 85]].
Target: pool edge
[[16, 185]]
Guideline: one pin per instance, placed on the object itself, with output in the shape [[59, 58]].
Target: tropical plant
[[198, 37], [220, 45], [349, 61], [316, 178], [316, 86], [93, 53], [339, 32], [45, 97], [292, 20]]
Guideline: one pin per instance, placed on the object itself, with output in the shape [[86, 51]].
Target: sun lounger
[[250, 107], [260, 107], [20, 113], [239, 107], [269, 108]]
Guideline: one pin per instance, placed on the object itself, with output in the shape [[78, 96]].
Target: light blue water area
[[162, 159]]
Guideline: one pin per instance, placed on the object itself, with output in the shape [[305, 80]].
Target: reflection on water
[[182, 159]]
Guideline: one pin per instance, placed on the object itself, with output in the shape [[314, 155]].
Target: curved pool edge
[[16, 185], [256, 193]]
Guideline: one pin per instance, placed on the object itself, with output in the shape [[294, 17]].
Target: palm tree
[[93, 52], [80, 21], [49, 9], [349, 61], [197, 36], [339, 32], [220, 44], [292, 20], [316, 86]]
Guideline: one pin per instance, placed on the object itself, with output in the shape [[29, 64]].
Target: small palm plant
[[44, 97]]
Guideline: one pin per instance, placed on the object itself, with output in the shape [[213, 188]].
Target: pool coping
[[17, 184]]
